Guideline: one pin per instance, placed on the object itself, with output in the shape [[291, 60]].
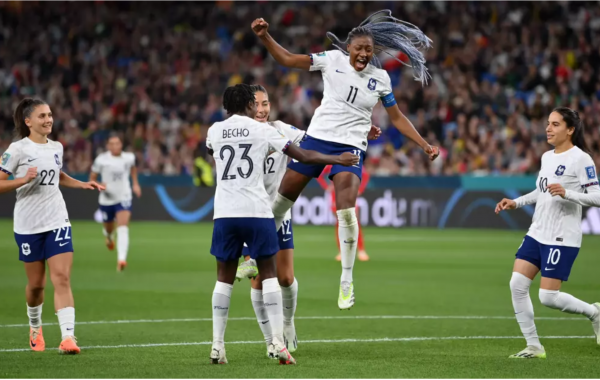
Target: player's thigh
[[346, 189], [226, 271], [550, 283], [123, 217], [285, 267], [36, 274], [557, 262], [60, 268], [293, 183], [528, 258]]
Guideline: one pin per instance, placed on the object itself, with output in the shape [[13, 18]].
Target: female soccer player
[[352, 86], [328, 187], [41, 222], [115, 167], [242, 212], [567, 181]]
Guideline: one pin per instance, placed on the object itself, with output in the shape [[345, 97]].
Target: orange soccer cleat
[[69, 346], [121, 266], [110, 244], [36, 339], [362, 256]]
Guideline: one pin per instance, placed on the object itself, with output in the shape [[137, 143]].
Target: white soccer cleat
[[596, 322], [271, 353], [346, 298], [284, 356], [247, 269], [289, 336], [217, 355], [531, 352]]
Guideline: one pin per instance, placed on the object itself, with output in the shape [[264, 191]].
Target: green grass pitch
[[430, 303]]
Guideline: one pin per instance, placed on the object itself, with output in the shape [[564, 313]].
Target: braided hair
[[236, 98], [387, 32]]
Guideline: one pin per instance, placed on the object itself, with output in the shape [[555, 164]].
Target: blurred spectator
[[155, 72]]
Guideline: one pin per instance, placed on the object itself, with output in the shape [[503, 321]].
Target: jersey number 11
[[355, 90]]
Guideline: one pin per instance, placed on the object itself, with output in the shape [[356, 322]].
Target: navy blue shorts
[[285, 236], [109, 212], [230, 234], [327, 147], [554, 261], [44, 245]]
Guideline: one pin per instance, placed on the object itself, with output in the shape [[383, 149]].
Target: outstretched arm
[[67, 181], [281, 55], [405, 127], [312, 157]]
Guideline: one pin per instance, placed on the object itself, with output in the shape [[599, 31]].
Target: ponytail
[[572, 119], [23, 111]]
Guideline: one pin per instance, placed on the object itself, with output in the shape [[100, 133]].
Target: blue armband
[[388, 100]]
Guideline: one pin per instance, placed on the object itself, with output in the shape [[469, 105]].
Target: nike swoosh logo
[[68, 329], [62, 245], [549, 268], [287, 239], [32, 159], [265, 322], [338, 71], [33, 344], [288, 308]]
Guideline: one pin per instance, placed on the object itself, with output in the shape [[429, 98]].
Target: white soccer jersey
[[349, 96], [240, 147], [276, 163], [557, 221], [115, 171], [40, 206]]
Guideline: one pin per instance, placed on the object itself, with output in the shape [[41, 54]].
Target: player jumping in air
[[41, 222], [115, 167], [353, 84], [242, 211], [328, 187], [567, 181]]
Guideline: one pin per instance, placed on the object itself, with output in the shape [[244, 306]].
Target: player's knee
[[61, 280], [286, 279], [36, 287], [549, 298], [519, 284], [347, 217], [281, 205]]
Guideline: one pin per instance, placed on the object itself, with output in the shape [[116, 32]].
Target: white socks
[[35, 316], [106, 234], [66, 320], [290, 299], [348, 236], [261, 314], [273, 306], [122, 242], [519, 288], [220, 304], [565, 302], [280, 207]]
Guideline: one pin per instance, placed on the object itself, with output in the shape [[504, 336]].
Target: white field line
[[358, 317], [322, 341]]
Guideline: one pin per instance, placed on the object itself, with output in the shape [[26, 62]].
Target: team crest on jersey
[[5, 158], [591, 172], [25, 249], [560, 170], [57, 160], [372, 84]]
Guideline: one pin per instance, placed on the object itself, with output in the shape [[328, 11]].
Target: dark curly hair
[[236, 98]]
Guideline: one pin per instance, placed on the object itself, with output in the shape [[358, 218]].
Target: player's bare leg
[[289, 292], [221, 300], [291, 186], [346, 186], [34, 294], [274, 306], [123, 218], [107, 231], [60, 275]]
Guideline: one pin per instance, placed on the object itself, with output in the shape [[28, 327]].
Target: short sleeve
[[586, 172], [209, 140], [320, 61], [386, 93], [294, 134], [10, 159], [96, 166], [132, 160], [276, 140]]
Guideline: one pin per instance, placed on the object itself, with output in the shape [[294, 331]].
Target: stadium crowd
[[155, 73]]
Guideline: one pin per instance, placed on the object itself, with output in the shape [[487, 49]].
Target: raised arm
[[281, 55], [313, 157]]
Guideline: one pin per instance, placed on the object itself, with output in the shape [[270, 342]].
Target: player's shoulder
[[281, 126], [19, 144], [581, 156], [55, 144]]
